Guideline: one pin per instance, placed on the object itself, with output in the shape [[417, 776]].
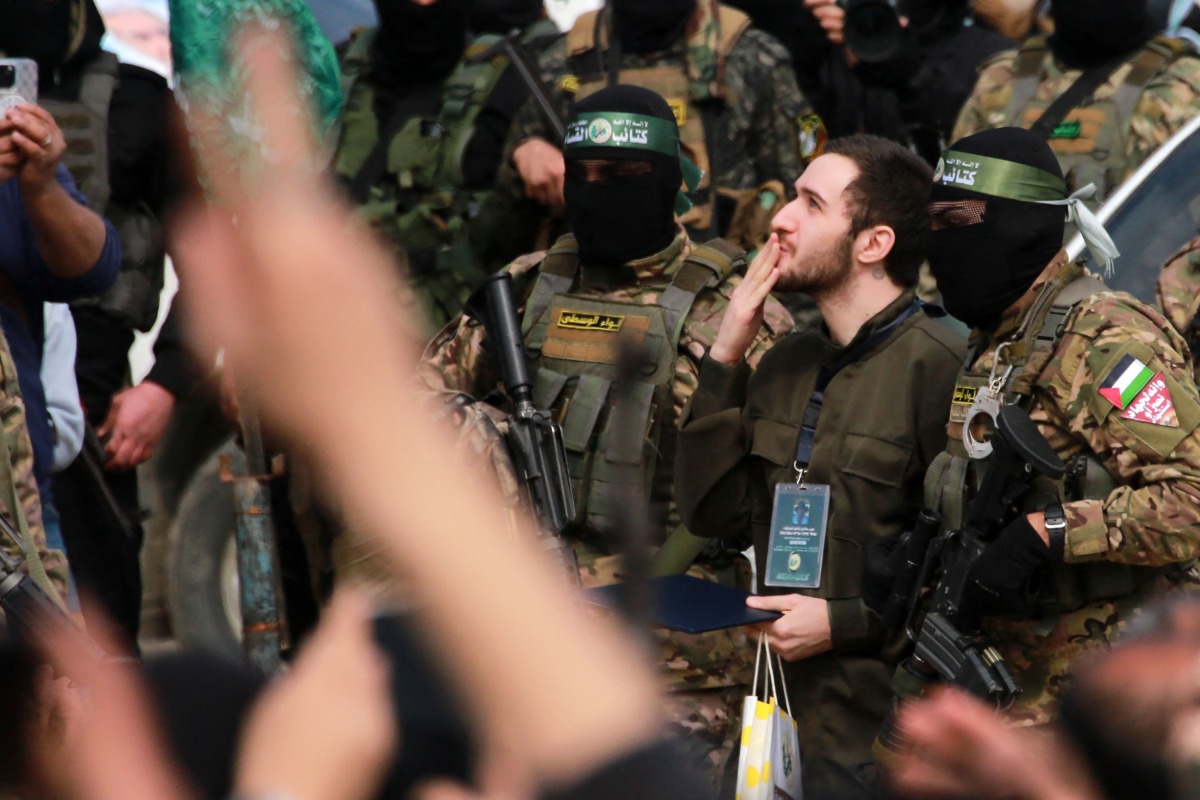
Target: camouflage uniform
[[1107, 139], [762, 128], [446, 230], [707, 673], [1131, 535], [47, 567], [1178, 295]]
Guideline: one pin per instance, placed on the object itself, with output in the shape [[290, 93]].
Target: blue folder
[[692, 605]]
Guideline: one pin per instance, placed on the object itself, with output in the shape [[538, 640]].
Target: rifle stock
[[510, 47]]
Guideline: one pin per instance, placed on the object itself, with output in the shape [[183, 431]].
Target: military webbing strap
[[628, 449], [11, 298], [1158, 53], [708, 119], [1149, 63], [1079, 93], [1027, 69], [33, 559], [556, 275], [584, 412], [706, 266], [945, 489], [1044, 327]]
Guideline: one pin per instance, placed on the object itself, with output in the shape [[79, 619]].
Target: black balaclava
[[43, 30], [1088, 33], [650, 26], [630, 217], [418, 44], [986, 251], [501, 16], [37, 29]]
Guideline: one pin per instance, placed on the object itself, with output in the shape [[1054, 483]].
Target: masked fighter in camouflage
[[1104, 91], [423, 135], [741, 115], [628, 266], [1108, 382]]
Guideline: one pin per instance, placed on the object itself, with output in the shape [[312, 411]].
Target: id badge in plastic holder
[[797, 544]]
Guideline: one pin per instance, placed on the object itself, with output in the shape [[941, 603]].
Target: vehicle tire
[[202, 576]]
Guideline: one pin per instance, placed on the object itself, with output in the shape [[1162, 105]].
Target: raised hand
[[744, 316]]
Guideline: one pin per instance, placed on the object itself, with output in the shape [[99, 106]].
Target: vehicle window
[[1156, 220]]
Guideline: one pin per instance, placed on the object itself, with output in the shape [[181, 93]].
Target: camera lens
[[872, 29], [8, 76]]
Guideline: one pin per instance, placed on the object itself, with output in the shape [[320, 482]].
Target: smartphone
[[18, 82]]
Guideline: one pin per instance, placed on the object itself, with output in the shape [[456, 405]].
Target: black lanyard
[[812, 412]]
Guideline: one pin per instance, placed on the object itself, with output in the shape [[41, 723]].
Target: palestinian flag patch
[[1124, 382], [1140, 393]]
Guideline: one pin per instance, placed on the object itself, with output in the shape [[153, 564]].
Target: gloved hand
[[884, 559], [996, 580]]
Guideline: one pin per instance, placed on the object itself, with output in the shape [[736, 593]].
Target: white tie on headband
[[1099, 243]]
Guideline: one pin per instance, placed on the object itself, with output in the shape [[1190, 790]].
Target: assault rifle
[[31, 615], [510, 47], [948, 644], [535, 441]]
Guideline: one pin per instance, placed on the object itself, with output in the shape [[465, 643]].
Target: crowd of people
[[790, 313]]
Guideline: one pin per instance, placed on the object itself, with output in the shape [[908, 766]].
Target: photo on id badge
[[797, 542]]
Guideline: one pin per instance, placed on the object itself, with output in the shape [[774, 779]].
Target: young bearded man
[[845, 420]]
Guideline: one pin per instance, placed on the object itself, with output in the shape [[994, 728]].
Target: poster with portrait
[[138, 32]]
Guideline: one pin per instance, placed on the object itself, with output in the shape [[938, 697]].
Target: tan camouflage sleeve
[[700, 332], [1148, 438], [985, 107], [455, 360], [1166, 104]]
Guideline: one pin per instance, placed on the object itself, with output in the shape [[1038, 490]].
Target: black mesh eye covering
[[956, 213]]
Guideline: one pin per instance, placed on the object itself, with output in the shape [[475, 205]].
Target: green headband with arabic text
[[624, 131], [997, 177]]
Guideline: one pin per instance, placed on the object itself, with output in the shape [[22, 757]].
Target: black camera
[[872, 29]]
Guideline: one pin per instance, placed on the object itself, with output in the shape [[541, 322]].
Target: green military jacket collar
[[831, 351]]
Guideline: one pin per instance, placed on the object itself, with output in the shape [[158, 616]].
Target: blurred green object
[[202, 32]]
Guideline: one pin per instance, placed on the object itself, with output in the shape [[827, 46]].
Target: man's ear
[[872, 245]]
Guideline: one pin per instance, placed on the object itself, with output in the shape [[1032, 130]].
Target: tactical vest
[[573, 343], [953, 475], [1091, 140], [424, 206], [587, 52], [133, 300]]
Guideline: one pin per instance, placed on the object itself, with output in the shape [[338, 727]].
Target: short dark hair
[[892, 188]]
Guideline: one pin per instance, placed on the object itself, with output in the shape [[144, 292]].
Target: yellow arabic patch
[[679, 109], [965, 395], [569, 84], [584, 320]]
